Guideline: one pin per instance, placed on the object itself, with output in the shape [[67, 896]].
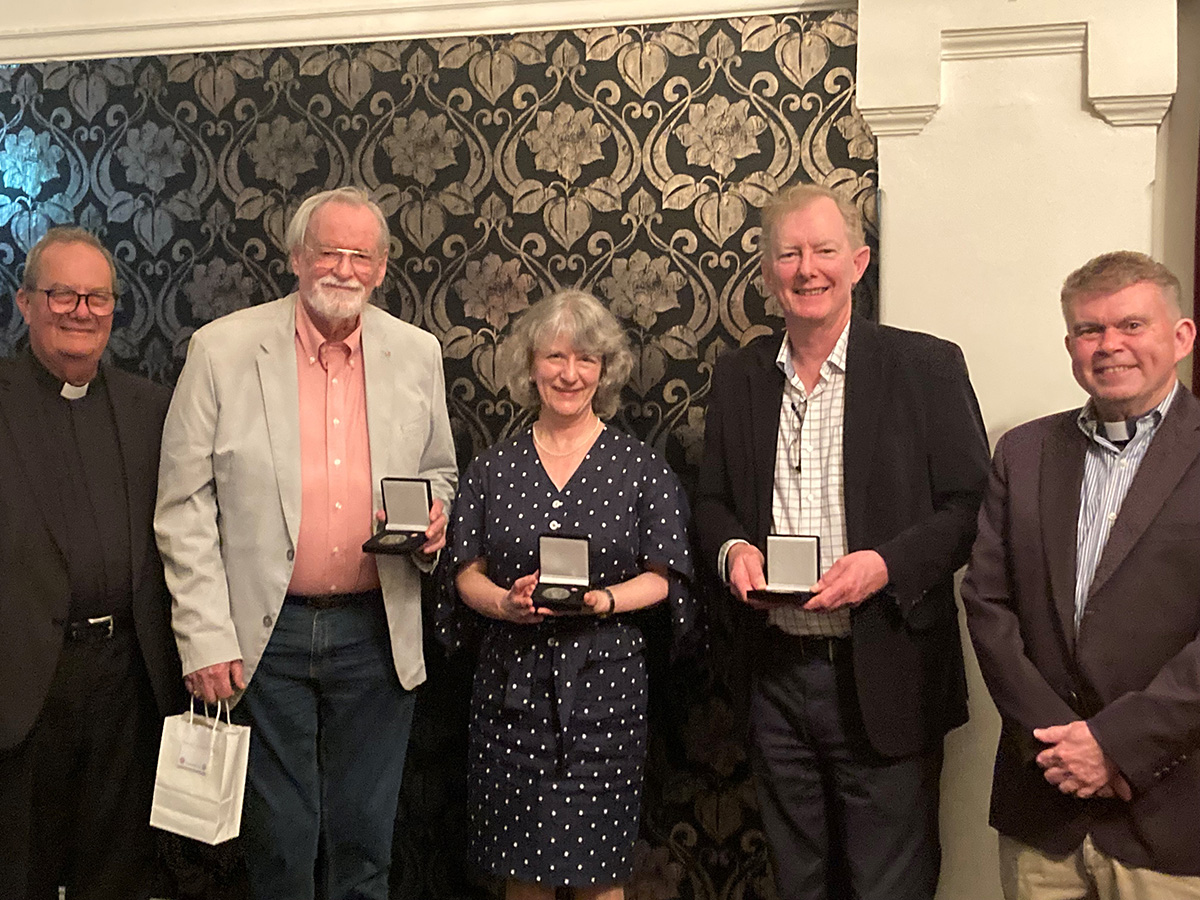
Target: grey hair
[[1111, 272], [349, 196], [798, 196], [63, 234], [588, 325]]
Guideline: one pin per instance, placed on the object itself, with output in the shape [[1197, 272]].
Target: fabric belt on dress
[[100, 628], [335, 601]]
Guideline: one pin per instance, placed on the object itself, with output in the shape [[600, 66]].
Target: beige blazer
[[228, 511]]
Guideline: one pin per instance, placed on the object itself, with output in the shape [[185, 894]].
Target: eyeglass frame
[[800, 408], [355, 257], [84, 297]]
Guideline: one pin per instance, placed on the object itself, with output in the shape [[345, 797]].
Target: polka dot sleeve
[[457, 625], [663, 518]]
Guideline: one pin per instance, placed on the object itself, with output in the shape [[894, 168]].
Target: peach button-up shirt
[[335, 465]]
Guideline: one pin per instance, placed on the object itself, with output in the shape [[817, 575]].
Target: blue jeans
[[330, 725]]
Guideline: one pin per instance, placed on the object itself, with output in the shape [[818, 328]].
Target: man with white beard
[[285, 418]]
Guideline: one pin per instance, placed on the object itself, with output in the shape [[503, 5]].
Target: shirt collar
[[836, 359], [311, 339], [1089, 424], [52, 384]]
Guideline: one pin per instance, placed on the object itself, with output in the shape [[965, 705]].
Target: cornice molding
[[891, 121], [1052, 39], [1133, 109], [366, 22]]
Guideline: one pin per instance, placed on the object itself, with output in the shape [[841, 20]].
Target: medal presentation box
[[406, 503], [563, 564], [793, 567]]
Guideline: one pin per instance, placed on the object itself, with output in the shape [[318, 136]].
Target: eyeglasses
[[326, 259], [799, 407], [64, 302]]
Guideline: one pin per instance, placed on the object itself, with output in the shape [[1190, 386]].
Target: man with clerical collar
[[285, 418], [1083, 601], [869, 438], [89, 666]]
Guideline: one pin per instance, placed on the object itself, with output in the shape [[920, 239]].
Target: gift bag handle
[[216, 720]]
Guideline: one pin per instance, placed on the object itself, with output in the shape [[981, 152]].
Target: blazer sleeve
[[936, 544], [438, 462], [1149, 733], [1022, 695], [185, 520], [716, 513]]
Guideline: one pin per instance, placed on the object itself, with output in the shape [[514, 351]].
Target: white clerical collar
[[1123, 430], [74, 391]]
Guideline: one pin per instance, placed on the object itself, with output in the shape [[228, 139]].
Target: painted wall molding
[[137, 27], [890, 121], [900, 90], [1019, 40], [1137, 109]]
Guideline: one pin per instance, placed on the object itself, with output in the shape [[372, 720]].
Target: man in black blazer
[[870, 438], [88, 667], [1083, 601]]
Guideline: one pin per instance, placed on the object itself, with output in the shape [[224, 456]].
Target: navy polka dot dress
[[558, 724]]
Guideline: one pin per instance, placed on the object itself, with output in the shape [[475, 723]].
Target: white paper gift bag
[[201, 776]]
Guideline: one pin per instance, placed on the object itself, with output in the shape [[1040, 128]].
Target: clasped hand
[[1075, 763]]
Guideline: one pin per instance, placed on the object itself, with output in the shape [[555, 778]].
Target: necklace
[[575, 449]]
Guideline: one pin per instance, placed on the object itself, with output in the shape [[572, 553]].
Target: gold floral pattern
[[421, 146], [627, 160], [493, 290], [718, 134], [641, 288]]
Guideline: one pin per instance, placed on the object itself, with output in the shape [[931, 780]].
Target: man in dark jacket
[[89, 666], [870, 439], [1083, 600]]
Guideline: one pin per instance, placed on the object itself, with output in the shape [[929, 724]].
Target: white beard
[[330, 300]]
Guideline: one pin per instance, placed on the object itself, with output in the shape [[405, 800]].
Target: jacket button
[[266, 621], [291, 555]]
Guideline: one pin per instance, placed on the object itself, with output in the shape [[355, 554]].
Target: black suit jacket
[[1133, 670], [915, 463], [34, 588]]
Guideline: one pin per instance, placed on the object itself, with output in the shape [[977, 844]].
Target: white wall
[[1017, 139], [1179, 149]]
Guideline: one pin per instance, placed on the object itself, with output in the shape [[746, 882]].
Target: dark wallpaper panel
[[630, 162]]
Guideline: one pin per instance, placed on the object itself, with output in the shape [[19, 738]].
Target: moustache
[[332, 281]]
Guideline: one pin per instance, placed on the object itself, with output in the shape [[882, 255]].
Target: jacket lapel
[[19, 406], [276, 362], [865, 396], [765, 390], [1060, 480], [137, 457], [380, 399], [1169, 456]]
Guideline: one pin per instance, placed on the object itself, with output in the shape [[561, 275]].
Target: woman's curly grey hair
[[588, 325]]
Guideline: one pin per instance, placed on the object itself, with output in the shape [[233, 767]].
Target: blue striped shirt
[[1107, 473]]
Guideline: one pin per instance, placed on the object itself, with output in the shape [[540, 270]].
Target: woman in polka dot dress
[[558, 726]]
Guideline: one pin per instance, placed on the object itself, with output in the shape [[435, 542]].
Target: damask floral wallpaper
[[627, 161]]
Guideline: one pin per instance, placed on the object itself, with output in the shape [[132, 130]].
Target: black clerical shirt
[[82, 437]]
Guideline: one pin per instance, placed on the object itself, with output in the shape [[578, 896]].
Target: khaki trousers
[[1027, 873]]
